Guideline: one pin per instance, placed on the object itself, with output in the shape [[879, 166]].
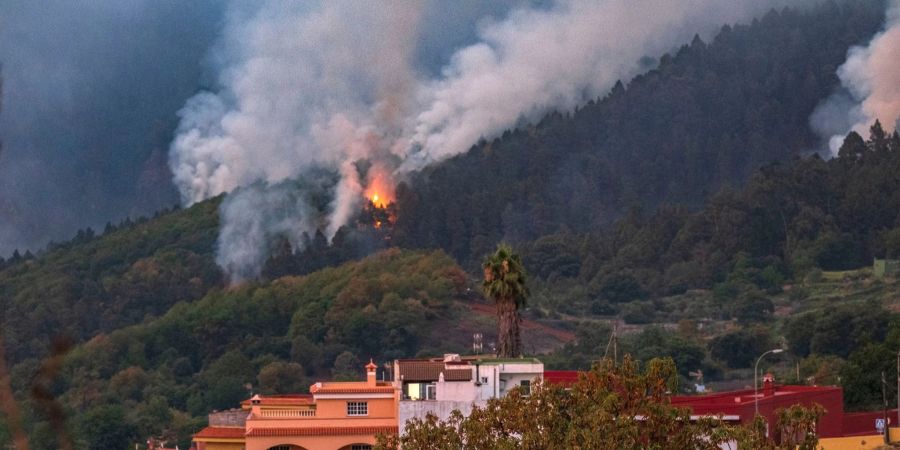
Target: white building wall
[[460, 391], [496, 379], [441, 409]]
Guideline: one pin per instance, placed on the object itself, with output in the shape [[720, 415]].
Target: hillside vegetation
[[162, 376], [708, 116], [97, 284], [755, 269]]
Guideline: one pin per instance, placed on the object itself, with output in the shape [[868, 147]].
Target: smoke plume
[[870, 79], [339, 87]]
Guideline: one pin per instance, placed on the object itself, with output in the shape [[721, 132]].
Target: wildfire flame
[[380, 187]]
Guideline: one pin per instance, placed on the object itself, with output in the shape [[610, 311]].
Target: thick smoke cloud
[[90, 95], [333, 85], [291, 209], [870, 80], [535, 61]]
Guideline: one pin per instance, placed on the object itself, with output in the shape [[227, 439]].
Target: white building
[[442, 385]]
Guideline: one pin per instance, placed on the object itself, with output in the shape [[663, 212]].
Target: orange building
[[335, 416]]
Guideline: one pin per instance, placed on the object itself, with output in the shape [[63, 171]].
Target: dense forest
[[790, 219], [707, 117], [684, 205], [730, 265]]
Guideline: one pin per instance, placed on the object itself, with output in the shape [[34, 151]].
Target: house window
[[525, 387], [419, 391], [412, 391], [361, 447], [357, 408]]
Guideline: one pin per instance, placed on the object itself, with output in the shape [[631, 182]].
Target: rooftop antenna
[[477, 343]]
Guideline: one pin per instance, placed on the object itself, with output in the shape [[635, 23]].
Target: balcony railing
[[287, 413]]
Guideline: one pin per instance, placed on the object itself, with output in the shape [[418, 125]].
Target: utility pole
[[886, 430], [898, 390], [614, 343]]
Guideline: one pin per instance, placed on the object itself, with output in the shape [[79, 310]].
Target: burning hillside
[[380, 187]]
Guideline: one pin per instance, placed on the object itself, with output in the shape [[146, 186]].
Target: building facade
[[334, 416], [441, 385]]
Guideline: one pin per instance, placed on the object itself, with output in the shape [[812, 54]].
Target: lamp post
[[898, 389], [755, 380]]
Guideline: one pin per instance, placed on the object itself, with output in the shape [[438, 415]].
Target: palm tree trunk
[[510, 339]]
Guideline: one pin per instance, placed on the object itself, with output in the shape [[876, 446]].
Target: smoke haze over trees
[[707, 116], [91, 96], [304, 88], [104, 83], [870, 87]]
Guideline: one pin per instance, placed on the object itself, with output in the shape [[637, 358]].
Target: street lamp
[[756, 382], [898, 388]]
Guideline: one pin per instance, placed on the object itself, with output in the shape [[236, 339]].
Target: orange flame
[[380, 187]]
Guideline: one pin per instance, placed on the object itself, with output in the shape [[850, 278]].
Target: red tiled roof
[[288, 399], [220, 432], [322, 431], [563, 377], [353, 390], [418, 370]]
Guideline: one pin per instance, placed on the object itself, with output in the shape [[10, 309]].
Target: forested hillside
[[790, 219], [161, 377], [755, 269], [95, 284], [678, 199], [708, 116]]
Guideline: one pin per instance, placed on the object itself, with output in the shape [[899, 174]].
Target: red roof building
[[740, 406]]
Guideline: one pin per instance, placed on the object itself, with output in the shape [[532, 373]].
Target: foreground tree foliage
[[613, 406]]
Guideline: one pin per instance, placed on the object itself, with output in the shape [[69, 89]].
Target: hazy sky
[[91, 91]]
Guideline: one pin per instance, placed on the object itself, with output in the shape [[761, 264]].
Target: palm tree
[[504, 282]]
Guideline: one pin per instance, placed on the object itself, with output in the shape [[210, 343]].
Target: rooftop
[[509, 361], [282, 400], [425, 370], [561, 377], [220, 433], [336, 388], [321, 431], [746, 396]]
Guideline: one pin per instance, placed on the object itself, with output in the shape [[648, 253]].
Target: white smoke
[[283, 210], [328, 85], [297, 90], [871, 81], [537, 61]]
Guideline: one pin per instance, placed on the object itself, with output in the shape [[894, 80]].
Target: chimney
[[254, 405], [371, 369], [768, 385]]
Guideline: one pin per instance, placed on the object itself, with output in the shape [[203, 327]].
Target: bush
[[739, 349], [638, 312]]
